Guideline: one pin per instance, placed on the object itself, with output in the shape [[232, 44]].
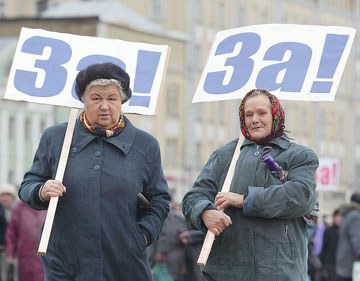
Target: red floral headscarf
[[277, 112]]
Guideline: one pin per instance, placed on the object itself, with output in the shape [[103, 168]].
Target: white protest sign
[[294, 62], [328, 174], [46, 63]]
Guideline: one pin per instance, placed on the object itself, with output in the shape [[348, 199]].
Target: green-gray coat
[[98, 228], [268, 236]]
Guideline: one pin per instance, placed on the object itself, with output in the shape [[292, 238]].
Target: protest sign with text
[[328, 174], [46, 63], [294, 62]]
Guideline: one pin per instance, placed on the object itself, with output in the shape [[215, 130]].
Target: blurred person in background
[[168, 251], [348, 250], [192, 241], [3, 223], [319, 236], [314, 262], [8, 198], [329, 248], [22, 241]]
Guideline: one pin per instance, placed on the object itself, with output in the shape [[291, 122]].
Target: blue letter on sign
[[55, 74], [146, 67], [241, 63], [295, 68]]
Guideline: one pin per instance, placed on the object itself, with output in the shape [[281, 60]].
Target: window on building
[[2, 9], [265, 15], [11, 176], [42, 126], [221, 113], [304, 120], [158, 9], [198, 155], [12, 127], [284, 18], [330, 121], [41, 6], [172, 101], [357, 171], [171, 152], [357, 132], [221, 16], [197, 58], [324, 125], [213, 113], [199, 111], [27, 128], [341, 126], [240, 15], [198, 11]]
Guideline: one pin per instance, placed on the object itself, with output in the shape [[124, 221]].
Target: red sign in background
[[328, 174]]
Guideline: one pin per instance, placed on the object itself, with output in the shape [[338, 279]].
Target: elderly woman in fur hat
[[100, 232]]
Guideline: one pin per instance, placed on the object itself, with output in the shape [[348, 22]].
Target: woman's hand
[[51, 188], [216, 221], [184, 237], [224, 200]]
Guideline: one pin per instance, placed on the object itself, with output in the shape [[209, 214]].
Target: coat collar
[[123, 141], [282, 142]]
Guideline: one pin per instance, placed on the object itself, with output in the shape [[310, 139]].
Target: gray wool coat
[[268, 239], [98, 227]]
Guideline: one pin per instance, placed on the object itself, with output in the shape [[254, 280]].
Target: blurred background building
[[189, 132]]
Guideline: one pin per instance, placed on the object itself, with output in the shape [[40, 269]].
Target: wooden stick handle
[[206, 248], [210, 237], [59, 176]]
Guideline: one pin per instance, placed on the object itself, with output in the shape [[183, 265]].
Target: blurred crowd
[[334, 247]]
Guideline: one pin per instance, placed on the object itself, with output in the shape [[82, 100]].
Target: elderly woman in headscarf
[[100, 231], [261, 223]]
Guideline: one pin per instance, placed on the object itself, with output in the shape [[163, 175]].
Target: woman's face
[[258, 117], [102, 105]]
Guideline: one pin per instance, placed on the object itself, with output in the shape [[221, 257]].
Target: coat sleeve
[[202, 195], [38, 174], [157, 190], [291, 200]]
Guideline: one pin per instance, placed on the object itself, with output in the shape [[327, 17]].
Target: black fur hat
[[106, 70]]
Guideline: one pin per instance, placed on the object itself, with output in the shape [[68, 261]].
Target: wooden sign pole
[[210, 237], [59, 176]]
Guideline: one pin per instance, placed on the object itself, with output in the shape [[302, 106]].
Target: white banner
[[328, 174], [46, 63], [294, 62]]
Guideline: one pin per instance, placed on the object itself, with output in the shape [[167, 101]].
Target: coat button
[[74, 149], [96, 168], [257, 153], [97, 153]]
